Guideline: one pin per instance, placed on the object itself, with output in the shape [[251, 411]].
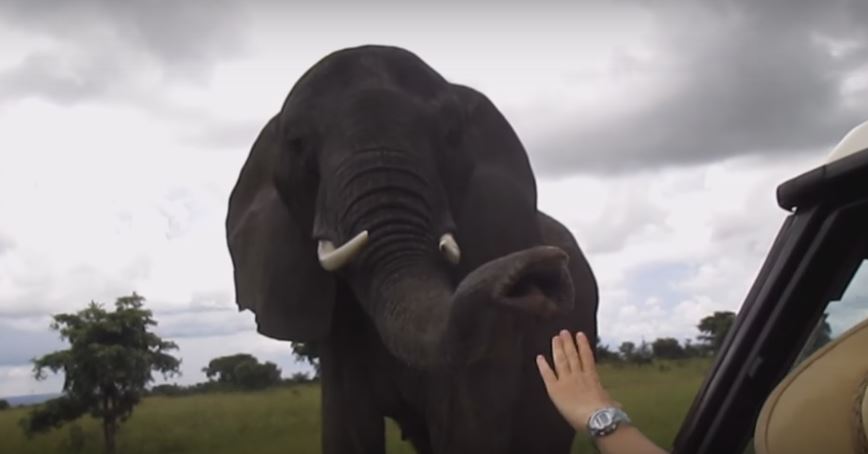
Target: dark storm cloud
[[747, 77], [102, 43]]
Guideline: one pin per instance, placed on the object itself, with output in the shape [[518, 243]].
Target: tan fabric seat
[[820, 407]]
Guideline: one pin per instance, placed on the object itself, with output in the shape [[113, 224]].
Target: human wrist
[[606, 420], [588, 410]]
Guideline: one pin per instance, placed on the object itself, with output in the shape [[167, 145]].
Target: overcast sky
[[658, 132]]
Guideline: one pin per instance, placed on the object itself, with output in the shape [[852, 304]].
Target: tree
[[4, 404], [667, 347], [112, 356], [243, 370], [307, 352], [299, 377], [713, 329], [643, 354], [252, 375], [820, 336], [604, 353], [628, 350], [223, 368], [167, 390], [691, 350]]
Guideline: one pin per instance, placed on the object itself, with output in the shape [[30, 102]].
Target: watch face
[[601, 420]]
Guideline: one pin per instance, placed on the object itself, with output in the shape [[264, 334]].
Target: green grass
[[656, 396], [288, 419]]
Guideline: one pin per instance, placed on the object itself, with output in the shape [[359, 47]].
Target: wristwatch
[[605, 420]]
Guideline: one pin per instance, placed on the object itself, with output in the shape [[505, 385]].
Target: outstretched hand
[[574, 385]]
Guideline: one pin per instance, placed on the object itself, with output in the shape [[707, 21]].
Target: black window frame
[[814, 256]]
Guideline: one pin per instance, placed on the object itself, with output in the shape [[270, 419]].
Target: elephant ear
[[277, 275], [492, 189]]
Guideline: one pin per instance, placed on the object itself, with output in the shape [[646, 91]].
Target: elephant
[[390, 216]]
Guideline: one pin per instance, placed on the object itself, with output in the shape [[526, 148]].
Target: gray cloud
[[102, 44], [19, 346], [747, 77], [37, 291], [203, 324], [48, 75]]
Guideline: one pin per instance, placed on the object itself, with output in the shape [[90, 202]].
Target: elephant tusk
[[332, 259], [449, 248]]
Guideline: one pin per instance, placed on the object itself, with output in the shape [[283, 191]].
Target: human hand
[[574, 385]]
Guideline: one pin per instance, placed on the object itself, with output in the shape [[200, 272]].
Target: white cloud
[[714, 224]]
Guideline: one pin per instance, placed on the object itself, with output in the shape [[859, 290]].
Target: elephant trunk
[[405, 283], [427, 323], [411, 309]]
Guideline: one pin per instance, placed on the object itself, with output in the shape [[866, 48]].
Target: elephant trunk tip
[[538, 283]]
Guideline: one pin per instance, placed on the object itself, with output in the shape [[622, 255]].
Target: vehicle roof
[[842, 177], [855, 141]]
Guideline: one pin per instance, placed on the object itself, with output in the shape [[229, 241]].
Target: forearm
[[627, 439]]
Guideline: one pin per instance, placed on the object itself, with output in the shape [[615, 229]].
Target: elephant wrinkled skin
[[391, 216]]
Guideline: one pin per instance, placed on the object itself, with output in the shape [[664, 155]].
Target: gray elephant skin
[[391, 217]]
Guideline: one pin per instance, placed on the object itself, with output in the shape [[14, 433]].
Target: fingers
[[570, 351], [567, 358], [562, 365], [585, 353], [548, 375]]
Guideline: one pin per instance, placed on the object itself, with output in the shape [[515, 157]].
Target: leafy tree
[[223, 367], [604, 353], [167, 390], [112, 356], [252, 375], [4, 404], [692, 350], [820, 336], [299, 377], [243, 370], [307, 352], [628, 350], [643, 354], [713, 329], [667, 347]]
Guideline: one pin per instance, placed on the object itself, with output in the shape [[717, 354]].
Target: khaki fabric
[[820, 406]]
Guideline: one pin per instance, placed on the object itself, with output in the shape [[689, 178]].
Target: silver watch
[[605, 420]]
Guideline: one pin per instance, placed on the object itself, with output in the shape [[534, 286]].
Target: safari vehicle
[[816, 271]]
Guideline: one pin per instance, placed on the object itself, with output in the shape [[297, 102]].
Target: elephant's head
[[413, 193]]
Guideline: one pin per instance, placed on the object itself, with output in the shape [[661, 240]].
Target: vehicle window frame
[[814, 256]]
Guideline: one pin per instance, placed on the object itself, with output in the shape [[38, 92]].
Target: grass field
[[287, 419]]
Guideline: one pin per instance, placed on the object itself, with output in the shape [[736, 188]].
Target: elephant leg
[[352, 416], [351, 422]]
